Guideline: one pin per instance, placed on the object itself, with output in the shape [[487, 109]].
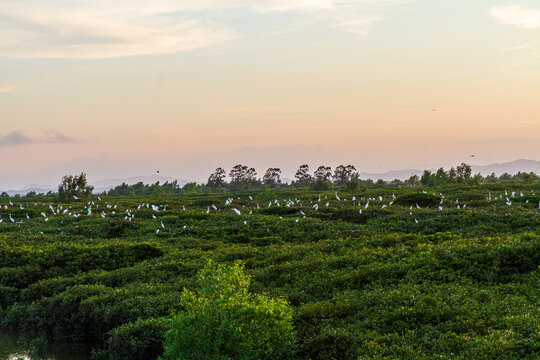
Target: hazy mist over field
[[184, 87]]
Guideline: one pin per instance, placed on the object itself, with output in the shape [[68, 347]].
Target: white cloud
[[105, 29], [515, 48], [6, 89], [289, 5], [360, 25], [87, 29], [517, 16]]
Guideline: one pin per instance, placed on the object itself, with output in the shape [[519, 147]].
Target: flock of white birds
[[105, 209]]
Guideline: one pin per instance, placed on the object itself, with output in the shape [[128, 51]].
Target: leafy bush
[[267, 195], [457, 283], [222, 320], [353, 185], [139, 340], [320, 185], [422, 199]]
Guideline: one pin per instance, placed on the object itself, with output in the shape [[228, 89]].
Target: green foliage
[[267, 195], [139, 340], [364, 283], [320, 185], [74, 187], [353, 185], [422, 199], [145, 189], [222, 320]]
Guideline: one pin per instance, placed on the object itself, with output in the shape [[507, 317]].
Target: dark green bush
[[455, 284], [320, 185], [139, 340], [422, 199]]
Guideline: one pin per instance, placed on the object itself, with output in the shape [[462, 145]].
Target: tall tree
[[272, 177], [303, 178], [413, 180], [217, 178], [463, 173], [342, 174], [452, 175], [74, 187], [250, 176], [237, 173], [427, 178], [242, 175], [323, 173], [442, 176]]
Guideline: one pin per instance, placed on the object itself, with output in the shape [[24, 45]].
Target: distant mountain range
[[511, 167]]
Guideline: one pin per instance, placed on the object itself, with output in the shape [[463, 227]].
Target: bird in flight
[[157, 171]]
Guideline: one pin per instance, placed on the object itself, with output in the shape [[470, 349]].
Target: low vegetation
[[446, 271]]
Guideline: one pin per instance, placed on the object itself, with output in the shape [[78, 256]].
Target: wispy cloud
[[96, 29], [17, 137], [86, 29], [515, 48], [6, 89], [361, 25], [287, 5], [517, 16]]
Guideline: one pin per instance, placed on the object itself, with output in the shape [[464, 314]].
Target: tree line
[[242, 177]]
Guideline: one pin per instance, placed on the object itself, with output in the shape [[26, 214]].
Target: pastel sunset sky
[[129, 87]]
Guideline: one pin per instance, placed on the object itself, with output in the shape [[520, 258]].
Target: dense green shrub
[[267, 195], [222, 320], [280, 211], [420, 199], [139, 340], [386, 282], [320, 185]]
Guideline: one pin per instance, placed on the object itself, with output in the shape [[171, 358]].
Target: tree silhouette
[[272, 177], [303, 178], [74, 187], [323, 173], [217, 178], [342, 174]]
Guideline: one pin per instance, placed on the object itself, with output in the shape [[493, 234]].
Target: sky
[[128, 87]]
